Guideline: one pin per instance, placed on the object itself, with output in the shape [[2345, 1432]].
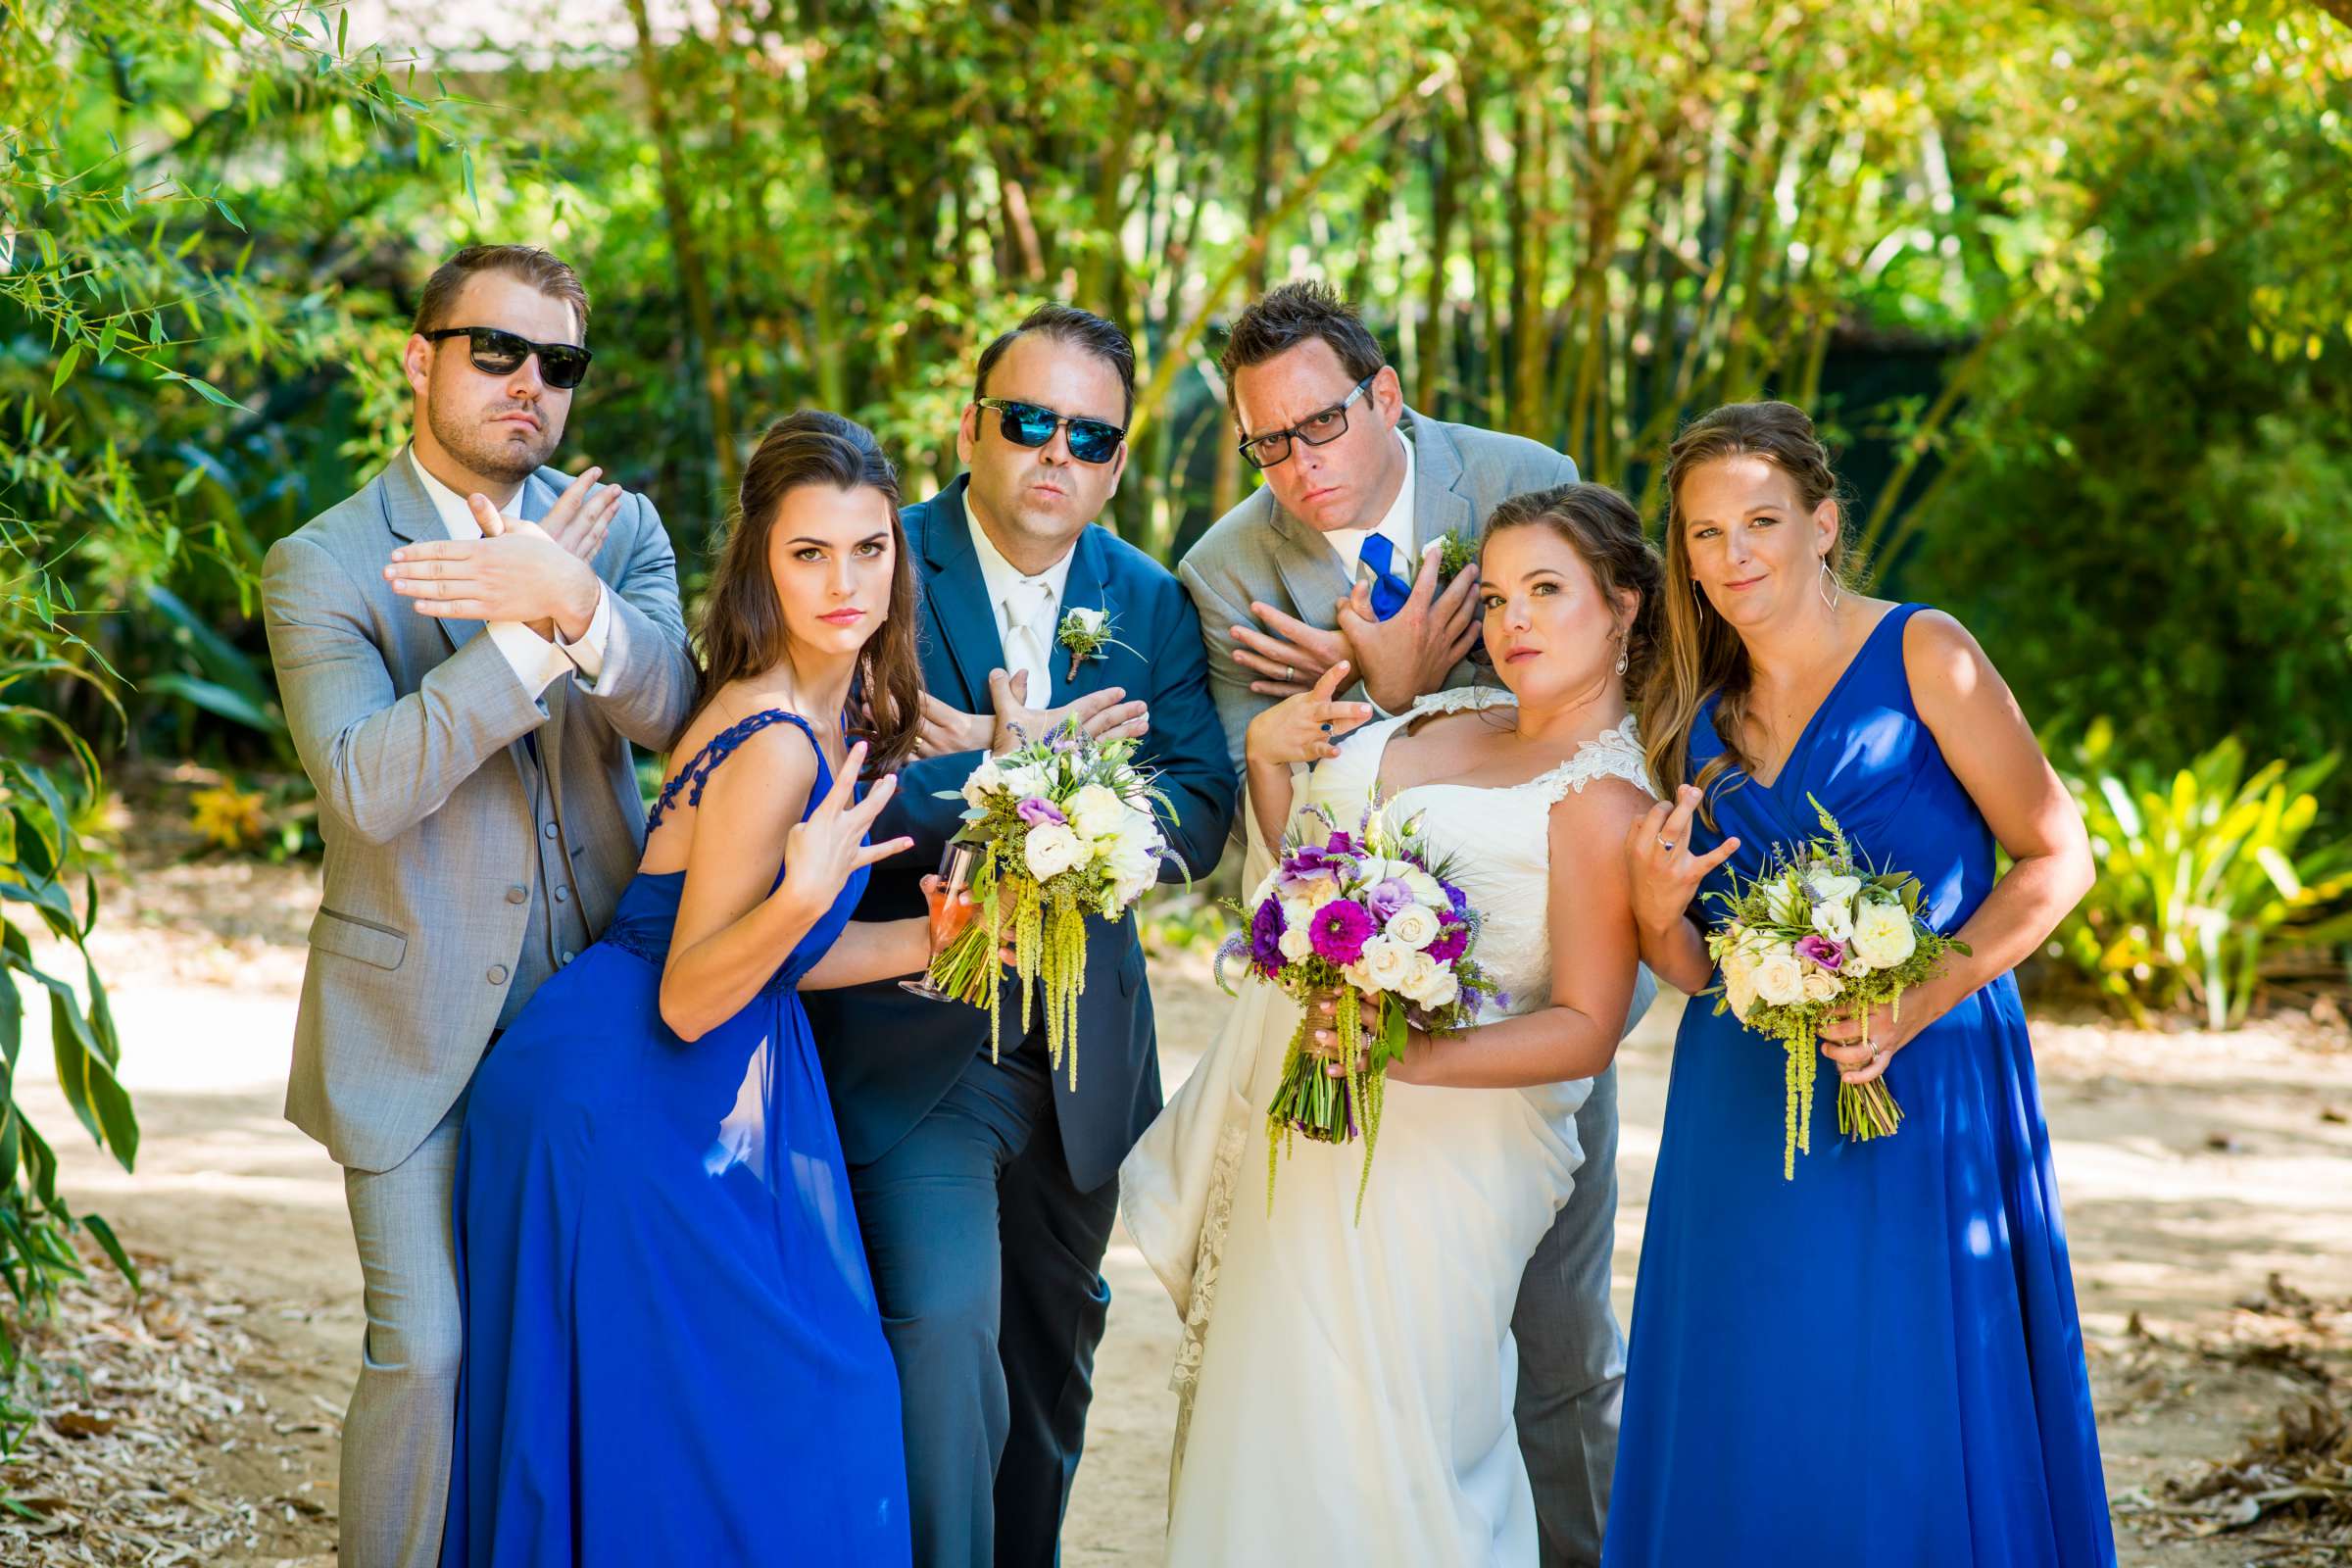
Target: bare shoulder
[[1943, 659], [1601, 812]]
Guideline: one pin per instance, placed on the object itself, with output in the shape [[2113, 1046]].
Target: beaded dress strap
[[717, 749]]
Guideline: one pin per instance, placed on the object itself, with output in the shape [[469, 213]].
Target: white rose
[[1419, 970], [1440, 990], [1295, 912], [1385, 962], [1739, 990], [1414, 926], [984, 781], [1855, 966], [1295, 944], [1133, 870], [1822, 986], [1833, 921], [1082, 619], [1026, 779], [1884, 935], [1097, 813], [1051, 848], [1829, 889], [1323, 890], [1779, 979], [1423, 887]]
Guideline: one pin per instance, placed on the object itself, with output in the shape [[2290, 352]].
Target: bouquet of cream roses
[[1064, 829], [1820, 934], [1362, 914]]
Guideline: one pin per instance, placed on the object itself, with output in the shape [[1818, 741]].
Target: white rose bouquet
[[1822, 934], [1369, 916], [1064, 829]]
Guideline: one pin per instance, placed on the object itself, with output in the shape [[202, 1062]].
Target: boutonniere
[[1086, 634], [1454, 553]]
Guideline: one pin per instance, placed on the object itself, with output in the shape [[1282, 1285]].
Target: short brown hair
[[1068, 323], [540, 269], [1288, 316]]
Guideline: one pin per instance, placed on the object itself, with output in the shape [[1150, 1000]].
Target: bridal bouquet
[[1359, 916], [1063, 829], [1821, 934]]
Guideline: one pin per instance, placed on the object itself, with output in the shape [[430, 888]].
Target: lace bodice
[[1498, 835]]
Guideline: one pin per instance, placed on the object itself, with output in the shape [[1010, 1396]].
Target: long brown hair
[[740, 631], [1703, 654], [1605, 531]]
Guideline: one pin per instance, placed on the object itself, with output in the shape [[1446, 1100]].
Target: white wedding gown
[[1350, 1399]]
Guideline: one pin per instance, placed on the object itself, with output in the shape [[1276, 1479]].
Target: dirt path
[[2194, 1169]]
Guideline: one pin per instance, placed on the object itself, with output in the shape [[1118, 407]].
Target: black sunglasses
[[1274, 447], [1028, 426], [497, 353]]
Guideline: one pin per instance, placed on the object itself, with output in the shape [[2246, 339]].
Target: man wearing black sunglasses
[[466, 650], [1335, 558], [986, 1190]]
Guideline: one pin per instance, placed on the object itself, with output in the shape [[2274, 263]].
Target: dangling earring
[[1623, 644], [1833, 592]]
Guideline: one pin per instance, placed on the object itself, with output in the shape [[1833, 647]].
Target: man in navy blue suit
[[986, 1190]]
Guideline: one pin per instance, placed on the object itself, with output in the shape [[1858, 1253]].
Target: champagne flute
[[949, 914]]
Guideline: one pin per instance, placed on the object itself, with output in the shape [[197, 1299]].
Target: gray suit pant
[[1571, 1353], [397, 1431]]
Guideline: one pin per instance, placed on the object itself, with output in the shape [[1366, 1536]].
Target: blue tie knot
[[1389, 590]]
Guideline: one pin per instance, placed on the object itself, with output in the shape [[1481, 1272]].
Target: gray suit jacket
[[1258, 551], [413, 730]]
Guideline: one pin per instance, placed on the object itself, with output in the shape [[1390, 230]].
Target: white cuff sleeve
[[536, 660], [587, 656]]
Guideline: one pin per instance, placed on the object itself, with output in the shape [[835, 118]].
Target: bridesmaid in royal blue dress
[[672, 1353], [1877, 1362]]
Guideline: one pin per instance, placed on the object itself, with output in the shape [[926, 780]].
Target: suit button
[[497, 975], [518, 894], [548, 831], [569, 954], [563, 895]]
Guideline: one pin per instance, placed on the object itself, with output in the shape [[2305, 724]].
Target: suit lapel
[[1310, 572], [1088, 587], [955, 596], [1438, 505]]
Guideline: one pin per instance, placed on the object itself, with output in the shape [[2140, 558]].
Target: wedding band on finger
[[1289, 674]]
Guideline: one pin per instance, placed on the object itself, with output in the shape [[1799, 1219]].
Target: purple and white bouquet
[[1820, 935], [1356, 915], [1064, 829]]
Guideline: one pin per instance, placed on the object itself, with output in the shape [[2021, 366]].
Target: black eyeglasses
[[1274, 447], [1028, 426], [497, 353]]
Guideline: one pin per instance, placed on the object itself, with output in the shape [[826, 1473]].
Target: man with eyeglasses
[[986, 1190], [1337, 558], [466, 650]]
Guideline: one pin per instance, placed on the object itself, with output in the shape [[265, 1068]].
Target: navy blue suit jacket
[[889, 1056]]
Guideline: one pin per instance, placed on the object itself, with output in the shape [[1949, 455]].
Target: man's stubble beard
[[500, 459]]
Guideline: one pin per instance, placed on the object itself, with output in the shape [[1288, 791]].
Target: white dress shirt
[[536, 660], [1398, 526], [1027, 609]]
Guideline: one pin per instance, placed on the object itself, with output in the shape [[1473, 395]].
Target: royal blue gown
[[1877, 1362], [672, 1352]]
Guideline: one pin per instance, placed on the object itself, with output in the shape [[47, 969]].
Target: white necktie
[[1028, 636]]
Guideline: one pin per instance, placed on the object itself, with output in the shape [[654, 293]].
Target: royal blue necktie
[[1388, 591]]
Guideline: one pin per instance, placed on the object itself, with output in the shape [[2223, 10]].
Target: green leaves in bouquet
[[2208, 875]]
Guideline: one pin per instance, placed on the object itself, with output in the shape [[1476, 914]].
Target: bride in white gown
[[1345, 1389]]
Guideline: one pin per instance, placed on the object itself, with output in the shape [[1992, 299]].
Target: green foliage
[[2203, 872], [2141, 509], [142, 140]]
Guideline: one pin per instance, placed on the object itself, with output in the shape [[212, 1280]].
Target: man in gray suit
[[465, 650], [1315, 569]]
